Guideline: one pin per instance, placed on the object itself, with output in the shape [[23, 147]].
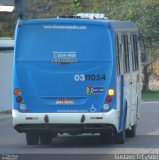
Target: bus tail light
[[17, 92], [19, 99], [108, 99], [111, 92]]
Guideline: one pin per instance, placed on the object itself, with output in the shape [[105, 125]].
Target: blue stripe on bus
[[121, 102]]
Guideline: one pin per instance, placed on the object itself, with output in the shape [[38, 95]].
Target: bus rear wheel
[[32, 138], [45, 138], [120, 137]]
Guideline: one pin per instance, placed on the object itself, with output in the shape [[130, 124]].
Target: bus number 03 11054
[[89, 77]]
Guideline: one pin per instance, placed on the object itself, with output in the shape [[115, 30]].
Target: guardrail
[[6, 43]]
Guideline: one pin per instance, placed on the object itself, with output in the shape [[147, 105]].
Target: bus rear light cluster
[[108, 99], [17, 93], [111, 93]]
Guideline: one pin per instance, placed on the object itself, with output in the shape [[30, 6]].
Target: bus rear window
[[36, 42]]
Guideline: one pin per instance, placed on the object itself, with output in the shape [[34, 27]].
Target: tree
[[75, 6], [145, 14]]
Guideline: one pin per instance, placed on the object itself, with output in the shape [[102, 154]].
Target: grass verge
[[150, 96], [6, 112]]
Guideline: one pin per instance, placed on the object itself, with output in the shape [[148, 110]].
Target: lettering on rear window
[[65, 27], [64, 57]]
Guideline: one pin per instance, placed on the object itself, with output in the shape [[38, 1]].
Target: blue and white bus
[[76, 75]]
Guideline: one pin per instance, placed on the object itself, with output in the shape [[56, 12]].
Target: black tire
[[120, 137], [32, 138], [106, 138], [45, 138], [132, 132]]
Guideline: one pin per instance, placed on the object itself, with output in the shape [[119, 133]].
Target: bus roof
[[125, 26]]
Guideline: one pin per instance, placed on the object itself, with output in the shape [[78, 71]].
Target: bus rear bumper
[[65, 122]]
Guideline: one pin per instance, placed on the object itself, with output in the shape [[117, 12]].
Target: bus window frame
[[135, 52], [117, 51], [126, 60]]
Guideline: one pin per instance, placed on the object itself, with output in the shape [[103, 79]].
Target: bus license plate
[[64, 101]]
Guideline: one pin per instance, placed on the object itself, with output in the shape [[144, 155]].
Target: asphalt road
[[146, 141]]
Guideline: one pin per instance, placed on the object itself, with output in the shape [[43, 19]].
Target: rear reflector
[[32, 118], [96, 118], [29, 118], [99, 117]]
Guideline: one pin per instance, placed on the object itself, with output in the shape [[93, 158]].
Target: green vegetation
[[148, 96], [6, 112]]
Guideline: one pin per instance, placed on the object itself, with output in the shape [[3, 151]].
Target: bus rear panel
[[64, 67], [65, 78]]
